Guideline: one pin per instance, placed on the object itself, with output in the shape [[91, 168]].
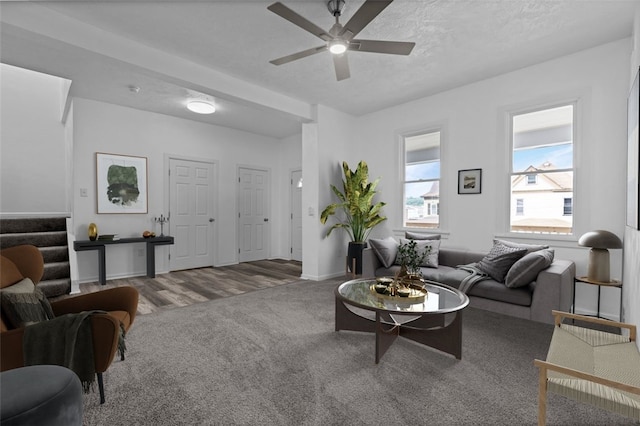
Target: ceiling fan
[[340, 38]]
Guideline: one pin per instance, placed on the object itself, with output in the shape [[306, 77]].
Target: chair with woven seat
[[120, 304], [591, 366]]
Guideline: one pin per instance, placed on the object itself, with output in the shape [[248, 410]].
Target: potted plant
[[411, 258], [358, 213]]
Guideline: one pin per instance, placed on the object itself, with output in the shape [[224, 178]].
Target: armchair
[[120, 304]]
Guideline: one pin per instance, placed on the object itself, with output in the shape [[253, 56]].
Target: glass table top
[[440, 298]]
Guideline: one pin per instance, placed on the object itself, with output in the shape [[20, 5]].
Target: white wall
[[631, 278], [33, 147], [474, 118], [101, 127], [325, 144]]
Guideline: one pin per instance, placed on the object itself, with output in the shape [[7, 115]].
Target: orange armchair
[[120, 303]]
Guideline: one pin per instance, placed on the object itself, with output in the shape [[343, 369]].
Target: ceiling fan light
[[201, 107], [337, 47]]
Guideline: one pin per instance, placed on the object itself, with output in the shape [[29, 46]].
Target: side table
[[600, 284]]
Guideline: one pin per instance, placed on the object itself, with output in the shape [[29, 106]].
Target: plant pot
[[354, 252]]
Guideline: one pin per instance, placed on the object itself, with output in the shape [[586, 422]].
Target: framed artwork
[[633, 156], [121, 183], [470, 181]]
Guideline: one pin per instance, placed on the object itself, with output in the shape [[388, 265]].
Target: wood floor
[[182, 288]]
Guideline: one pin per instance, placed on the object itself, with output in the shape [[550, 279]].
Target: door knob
[[266, 219], [211, 219]]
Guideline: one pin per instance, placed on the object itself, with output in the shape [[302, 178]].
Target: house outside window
[[568, 206], [542, 170], [422, 180]]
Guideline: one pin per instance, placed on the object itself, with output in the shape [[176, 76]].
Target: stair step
[[55, 270], [44, 224], [55, 254], [49, 234], [38, 239], [54, 288]]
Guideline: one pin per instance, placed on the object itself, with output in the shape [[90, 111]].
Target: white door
[[253, 214], [191, 206], [296, 215]]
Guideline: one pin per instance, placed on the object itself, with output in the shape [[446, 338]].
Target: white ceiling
[[220, 50]]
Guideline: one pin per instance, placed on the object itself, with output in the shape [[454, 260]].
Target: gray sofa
[[552, 289]]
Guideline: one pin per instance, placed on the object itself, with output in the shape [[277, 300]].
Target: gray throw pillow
[[24, 304], [420, 236], [527, 269], [530, 247], [386, 250], [497, 263], [431, 261]]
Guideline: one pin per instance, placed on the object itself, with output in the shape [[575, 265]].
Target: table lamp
[[599, 241]]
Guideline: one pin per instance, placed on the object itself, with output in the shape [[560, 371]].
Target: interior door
[[191, 204], [253, 214], [296, 215]]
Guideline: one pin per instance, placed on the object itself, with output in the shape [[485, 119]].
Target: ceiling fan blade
[[369, 10], [379, 46], [291, 16], [341, 65], [298, 55]]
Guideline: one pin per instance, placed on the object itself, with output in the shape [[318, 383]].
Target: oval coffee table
[[434, 321]]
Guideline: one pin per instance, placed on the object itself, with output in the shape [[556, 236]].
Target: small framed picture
[[470, 181]]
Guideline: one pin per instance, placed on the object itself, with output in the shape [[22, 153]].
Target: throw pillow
[[10, 272], [386, 250], [24, 304], [530, 247], [527, 269], [420, 236], [431, 260], [501, 257]]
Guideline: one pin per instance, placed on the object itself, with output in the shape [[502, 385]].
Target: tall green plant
[[358, 213]]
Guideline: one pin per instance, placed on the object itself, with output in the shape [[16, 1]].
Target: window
[[542, 170], [422, 180], [568, 206]]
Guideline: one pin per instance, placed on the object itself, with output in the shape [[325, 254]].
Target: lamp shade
[[600, 239]]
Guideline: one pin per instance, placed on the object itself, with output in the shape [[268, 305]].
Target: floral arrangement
[[411, 258]]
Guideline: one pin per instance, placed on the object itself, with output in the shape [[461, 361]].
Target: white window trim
[[438, 126], [581, 99]]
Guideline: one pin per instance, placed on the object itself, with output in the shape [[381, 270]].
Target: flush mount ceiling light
[[201, 107]]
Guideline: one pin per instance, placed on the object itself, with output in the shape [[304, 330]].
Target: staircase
[[50, 236]]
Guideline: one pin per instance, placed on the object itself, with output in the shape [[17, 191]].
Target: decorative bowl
[[380, 288], [404, 292]]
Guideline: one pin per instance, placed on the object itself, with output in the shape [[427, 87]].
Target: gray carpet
[[272, 357]]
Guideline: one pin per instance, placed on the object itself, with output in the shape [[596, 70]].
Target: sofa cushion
[[420, 236], [445, 275], [527, 269], [499, 260], [487, 289], [530, 247], [493, 290], [385, 249], [23, 304], [9, 272]]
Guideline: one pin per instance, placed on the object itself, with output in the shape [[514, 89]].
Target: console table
[[99, 245]]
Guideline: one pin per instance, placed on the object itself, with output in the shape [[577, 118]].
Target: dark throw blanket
[[475, 276], [65, 340]]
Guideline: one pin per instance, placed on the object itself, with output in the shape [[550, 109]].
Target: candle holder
[[161, 220]]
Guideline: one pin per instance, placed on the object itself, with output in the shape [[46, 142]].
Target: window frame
[[402, 136], [508, 114]]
